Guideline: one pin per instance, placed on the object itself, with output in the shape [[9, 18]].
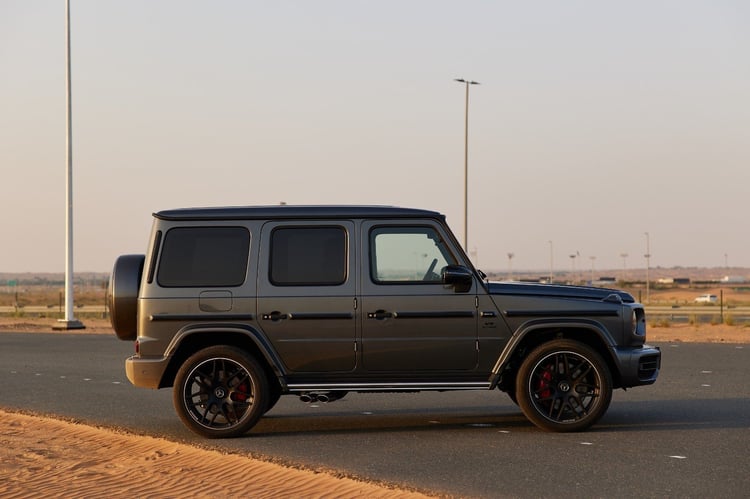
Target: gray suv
[[234, 307]]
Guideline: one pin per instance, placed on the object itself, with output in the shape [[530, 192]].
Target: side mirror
[[460, 278]]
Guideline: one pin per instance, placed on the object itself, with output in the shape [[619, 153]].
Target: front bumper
[[638, 366], [146, 372]]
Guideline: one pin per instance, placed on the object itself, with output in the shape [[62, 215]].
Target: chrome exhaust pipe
[[322, 397], [308, 397], [336, 395]]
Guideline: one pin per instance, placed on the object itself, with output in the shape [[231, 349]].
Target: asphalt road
[[686, 436]]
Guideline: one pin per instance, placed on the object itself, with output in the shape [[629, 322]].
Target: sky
[[594, 122]]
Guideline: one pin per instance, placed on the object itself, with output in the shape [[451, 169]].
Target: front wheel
[[220, 392], [564, 385]]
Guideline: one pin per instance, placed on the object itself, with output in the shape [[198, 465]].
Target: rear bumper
[[638, 366], [145, 372]]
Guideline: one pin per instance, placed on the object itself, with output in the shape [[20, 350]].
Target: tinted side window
[[407, 254], [308, 256], [204, 257]]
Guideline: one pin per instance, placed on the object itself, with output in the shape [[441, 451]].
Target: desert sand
[[44, 456], [49, 457]]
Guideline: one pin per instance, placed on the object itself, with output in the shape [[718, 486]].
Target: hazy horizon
[[594, 123]]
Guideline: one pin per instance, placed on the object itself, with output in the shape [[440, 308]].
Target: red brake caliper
[[241, 394], [543, 387]]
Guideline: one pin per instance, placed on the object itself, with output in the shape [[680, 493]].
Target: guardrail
[[698, 313], [35, 309], [52, 311]]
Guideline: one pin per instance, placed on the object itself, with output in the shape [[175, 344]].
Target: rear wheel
[[564, 386], [220, 392]]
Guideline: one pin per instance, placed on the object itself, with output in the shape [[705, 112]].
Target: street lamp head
[[468, 82]]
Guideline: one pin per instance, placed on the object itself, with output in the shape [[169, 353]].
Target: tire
[[564, 386], [220, 392]]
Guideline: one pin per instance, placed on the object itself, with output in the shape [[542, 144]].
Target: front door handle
[[379, 315], [275, 316]]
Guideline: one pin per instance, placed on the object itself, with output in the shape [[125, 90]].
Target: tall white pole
[[69, 322], [466, 160], [466, 171]]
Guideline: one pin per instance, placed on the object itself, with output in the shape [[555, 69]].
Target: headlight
[[638, 322]]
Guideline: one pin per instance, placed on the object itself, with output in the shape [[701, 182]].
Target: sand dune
[[45, 457]]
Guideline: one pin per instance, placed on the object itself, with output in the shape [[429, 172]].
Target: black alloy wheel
[[564, 385], [220, 392]]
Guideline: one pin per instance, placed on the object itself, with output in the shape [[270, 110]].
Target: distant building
[[733, 279]]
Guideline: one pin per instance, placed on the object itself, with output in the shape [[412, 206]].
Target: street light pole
[[551, 260], [466, 161], [573, 266], [510, 266], [69, 322], [648, 267]]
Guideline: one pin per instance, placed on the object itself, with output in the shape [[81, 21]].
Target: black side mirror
[[460, 278]]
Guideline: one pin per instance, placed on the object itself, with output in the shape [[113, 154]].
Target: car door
[[411, 321], [306, 294]]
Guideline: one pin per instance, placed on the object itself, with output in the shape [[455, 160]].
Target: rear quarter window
[[204, 257]]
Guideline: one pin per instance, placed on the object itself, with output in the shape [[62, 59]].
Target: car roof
[[294, 212]]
